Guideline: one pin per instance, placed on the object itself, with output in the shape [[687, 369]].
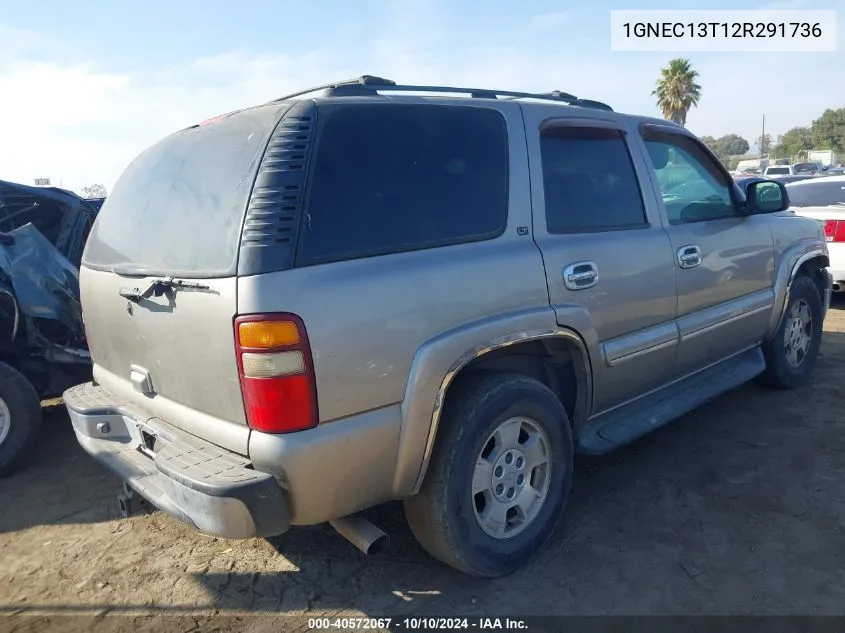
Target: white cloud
[[785, 5], [550, 21], [70, 119]]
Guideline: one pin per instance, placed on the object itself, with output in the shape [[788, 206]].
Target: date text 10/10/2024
[[417, 623]]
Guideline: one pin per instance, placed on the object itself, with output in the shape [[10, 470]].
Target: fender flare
[[783, 283], [16, 317], [416, 448]]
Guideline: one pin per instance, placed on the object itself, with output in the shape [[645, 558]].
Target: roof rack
[[371, 85]]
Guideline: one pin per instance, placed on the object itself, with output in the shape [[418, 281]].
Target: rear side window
[[395, 177], [178, 208], [589, 181], [19, 207]]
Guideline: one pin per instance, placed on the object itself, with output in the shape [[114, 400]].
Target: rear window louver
[[275, 206]]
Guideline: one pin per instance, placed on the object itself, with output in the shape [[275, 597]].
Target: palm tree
[[677, 91]]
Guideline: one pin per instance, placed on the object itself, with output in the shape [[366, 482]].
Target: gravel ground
[[737, 508]]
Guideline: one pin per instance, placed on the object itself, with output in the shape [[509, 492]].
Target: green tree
[[726, 146], [733, 145], [94, 191], [763, 144], [828, 131], [712, 143], [793, 141], [677, 91]]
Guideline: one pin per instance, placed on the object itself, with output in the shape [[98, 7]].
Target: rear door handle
[[689, 256], [580, 275]]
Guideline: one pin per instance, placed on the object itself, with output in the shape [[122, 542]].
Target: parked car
[[42, 340], [436, 299], [781, 179], [808, 168], [823, 199], [776, 171], [95, 203]]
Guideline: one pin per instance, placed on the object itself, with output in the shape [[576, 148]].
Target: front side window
[[589, 181], [396, 177], [691, 184]]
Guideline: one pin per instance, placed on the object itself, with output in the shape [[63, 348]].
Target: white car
[[778, 170], [824, 200]]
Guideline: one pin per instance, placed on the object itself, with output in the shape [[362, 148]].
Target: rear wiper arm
[[158, 286]]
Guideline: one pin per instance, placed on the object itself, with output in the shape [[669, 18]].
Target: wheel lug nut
[[498, 471], [508, 458], [499, 489]]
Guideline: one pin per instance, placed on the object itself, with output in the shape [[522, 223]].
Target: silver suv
[[306, 308]]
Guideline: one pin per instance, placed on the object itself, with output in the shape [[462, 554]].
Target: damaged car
[[42, 340]]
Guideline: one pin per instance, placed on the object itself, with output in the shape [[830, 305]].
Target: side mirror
[[766, 196]]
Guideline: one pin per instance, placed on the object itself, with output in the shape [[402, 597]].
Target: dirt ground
[[738, 508]]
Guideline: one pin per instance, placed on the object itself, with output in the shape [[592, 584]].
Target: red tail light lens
[[834, 230], [276, 372]]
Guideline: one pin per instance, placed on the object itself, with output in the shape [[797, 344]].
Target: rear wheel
[[499, 475], [20, 417], [792, 352]]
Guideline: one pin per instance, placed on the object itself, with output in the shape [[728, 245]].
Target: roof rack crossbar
[[363, 80], [369, 84]]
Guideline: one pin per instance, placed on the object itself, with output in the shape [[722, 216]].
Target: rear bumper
[[214, 490], [828, 290], [836, 254]]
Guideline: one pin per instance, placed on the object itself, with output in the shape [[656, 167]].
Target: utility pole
[[763, 139]]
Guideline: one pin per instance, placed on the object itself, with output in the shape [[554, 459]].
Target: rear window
[[804, 167], [398, 177], [777, 170], [179, 206], [816, 193]]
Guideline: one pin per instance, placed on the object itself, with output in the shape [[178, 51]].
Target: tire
[[781, 372], [20, 412], [446, 517]]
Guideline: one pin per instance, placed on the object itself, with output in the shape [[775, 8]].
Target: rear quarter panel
[[367, 318]]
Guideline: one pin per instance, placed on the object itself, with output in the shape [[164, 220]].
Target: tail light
[[834, 230], [276, 372]]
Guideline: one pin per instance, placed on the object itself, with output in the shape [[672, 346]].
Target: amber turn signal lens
[[268, 334]]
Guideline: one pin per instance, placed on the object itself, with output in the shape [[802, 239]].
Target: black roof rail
[[361, 82], [371, 85]]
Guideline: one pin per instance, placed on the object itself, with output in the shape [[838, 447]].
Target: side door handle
[[689, 256], [580, 275]]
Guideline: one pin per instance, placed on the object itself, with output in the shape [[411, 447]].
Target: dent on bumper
[[188, 478]]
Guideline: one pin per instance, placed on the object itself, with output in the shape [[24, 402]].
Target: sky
[[86, 86]]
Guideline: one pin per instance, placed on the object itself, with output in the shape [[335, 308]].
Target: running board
[[625, 424]]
